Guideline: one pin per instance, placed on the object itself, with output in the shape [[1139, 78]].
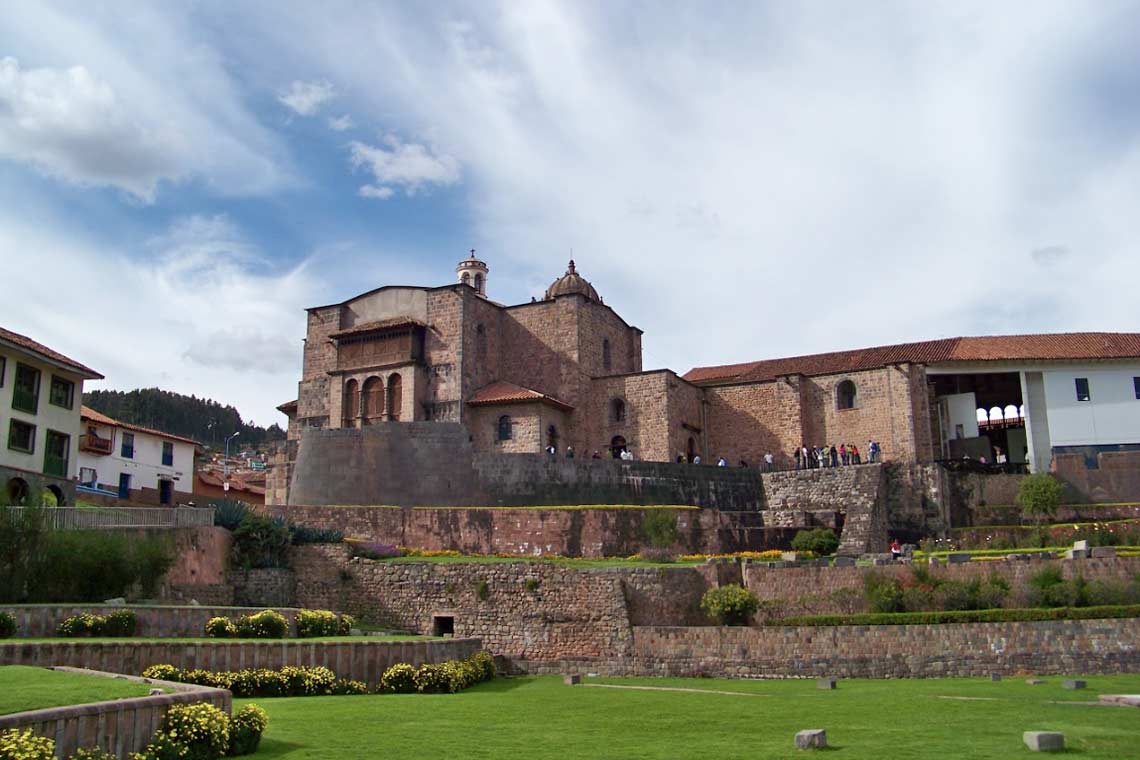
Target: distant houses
[[41, 392]]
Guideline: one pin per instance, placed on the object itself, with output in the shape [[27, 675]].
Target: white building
[[134, 462], [40, 394]]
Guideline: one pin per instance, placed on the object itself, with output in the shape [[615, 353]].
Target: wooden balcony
[[95, 444]]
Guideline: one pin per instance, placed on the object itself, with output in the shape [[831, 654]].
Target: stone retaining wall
[[358, 660], [120, 726], [884, 651], [41, 620]]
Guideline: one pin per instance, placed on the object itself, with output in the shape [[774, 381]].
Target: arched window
[[466, 278], [996, 414], [691, 449], [480, 343], [351, 403], [395, 397], [552, 437], [1010, 412], [618, 410], [17, 492], [845, 395], [372, 401], [607, 361], [478, 283], [504, 433], [982, 416]]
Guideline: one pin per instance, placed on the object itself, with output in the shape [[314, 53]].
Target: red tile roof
[[90, 415], [26, 343], [376, 326], [1049, 347], [501, 392]]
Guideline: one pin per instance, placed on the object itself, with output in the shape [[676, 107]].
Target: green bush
[[229, 513], [91, 753], [822, 541], [312, 623], [883, 592], [163, 672], [730, 604], [221, 628], [162, 746], [120, 623], [204, 730], [246, 728], [266, 624], [261, 541], [659, 526], [7, 626], [1039, 495], [345, 686], [433, 679], [345, 625], [24, 745], [303, 534], [967, 616], [399, 679]]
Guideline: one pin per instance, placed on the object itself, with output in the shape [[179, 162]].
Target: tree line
[[202, 419]]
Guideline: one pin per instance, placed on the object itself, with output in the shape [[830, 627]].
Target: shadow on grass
[[274, 748], [499, 685]]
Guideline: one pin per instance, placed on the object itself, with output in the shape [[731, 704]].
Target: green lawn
[[23, 688], [539, 717]]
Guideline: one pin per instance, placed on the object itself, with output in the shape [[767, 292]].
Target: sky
[[180, 180]]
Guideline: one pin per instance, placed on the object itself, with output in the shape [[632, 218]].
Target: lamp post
[[226, 461]]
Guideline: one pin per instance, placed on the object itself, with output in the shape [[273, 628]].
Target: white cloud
[[409, 166], [341, 123], [306, 98]]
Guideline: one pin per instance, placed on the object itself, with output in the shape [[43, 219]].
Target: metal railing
[[101, 518], [95, 443]]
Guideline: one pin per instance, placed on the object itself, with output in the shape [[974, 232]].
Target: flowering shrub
[[266, 624], [246, 728], [290, 681], [91, 753], [201, 728], [7, 625], [312, 623], [24, 745], [162, 746], [345, 625], [345, 687], [730, 604], [399, 679], [485, 662], [409, 551], [768, 555], [163, 672], [433, 679], [120, 623], [221, 628]]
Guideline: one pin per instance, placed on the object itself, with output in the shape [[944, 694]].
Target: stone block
[[995, 677], [826, 683], [1077, 554], [934, 561], [844, 562], [572, 679], [1074, 684], [1081, 545], [118, 601], [1034, 681], [812, 738], [880, 562], [789, 557], [958, 558], [1044, 741], [1103, 552]]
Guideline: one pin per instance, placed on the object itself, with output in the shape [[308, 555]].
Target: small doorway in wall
[[124, 485], [691, 449], [617, 445], [552, 437], [166, 492], [442, 625]]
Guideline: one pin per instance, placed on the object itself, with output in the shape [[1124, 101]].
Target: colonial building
[[40, 394], [135, 462], [566, 372]]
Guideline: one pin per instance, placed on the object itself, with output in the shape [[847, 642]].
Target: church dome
[[571, 283]]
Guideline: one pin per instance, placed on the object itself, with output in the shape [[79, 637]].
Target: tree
[[1039, 495]]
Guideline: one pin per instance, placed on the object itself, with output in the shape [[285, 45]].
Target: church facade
[[566, 372]]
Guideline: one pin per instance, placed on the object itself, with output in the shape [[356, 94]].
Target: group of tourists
[[814, 457]]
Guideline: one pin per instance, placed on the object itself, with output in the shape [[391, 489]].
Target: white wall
[[961, 409], [146, 467], [1110, 416], [47, 416]]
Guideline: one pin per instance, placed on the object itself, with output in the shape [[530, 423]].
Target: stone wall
[[883, 651], [120, 726], [358, 660], [41, 620], [434, 464], [263, 587], [1115, 479]]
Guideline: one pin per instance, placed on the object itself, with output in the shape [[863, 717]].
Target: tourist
[[696, 458], [596, 455], [769, 461], [797, 456], [721, 462], [896, 550], [680, 458], [743, 463], [843, 454], [551, 450], [805, 455], [855, 454], [999, 455], [628, 455], [569, 452], [834, 456]]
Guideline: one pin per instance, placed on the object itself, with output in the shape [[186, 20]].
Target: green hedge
[[120, 623], [966, 616], [7, 626]]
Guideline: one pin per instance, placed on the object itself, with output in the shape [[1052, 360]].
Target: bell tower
[[471, 271]]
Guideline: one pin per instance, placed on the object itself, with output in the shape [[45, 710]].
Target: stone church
[[566, 372]]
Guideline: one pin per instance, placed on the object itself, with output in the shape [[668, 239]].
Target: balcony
[[95, 444]]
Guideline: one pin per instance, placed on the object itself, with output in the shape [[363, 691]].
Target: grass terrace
[[24, 688], [539, 717]]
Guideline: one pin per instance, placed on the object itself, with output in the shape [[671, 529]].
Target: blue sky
[[740, 180]]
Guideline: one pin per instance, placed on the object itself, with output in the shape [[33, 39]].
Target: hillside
[[204, 420]]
